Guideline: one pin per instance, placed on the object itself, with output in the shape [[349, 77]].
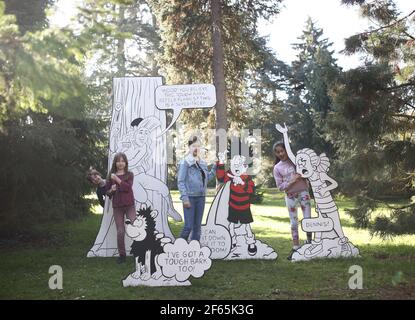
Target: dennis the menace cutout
[[329, 240], [158, 261], [228, 229]]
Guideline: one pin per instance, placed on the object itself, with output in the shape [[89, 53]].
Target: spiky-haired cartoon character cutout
[[241, 188], [228, 231], [329, 240]]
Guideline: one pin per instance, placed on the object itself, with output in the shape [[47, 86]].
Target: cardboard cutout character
[[228, 229], [329, 240]]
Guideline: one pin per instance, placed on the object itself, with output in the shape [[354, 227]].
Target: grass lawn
[[388, 266]]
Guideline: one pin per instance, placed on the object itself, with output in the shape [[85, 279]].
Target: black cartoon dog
[[147, 244]]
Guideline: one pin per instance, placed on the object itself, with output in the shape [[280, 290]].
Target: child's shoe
[[290, 256], [121, 259]]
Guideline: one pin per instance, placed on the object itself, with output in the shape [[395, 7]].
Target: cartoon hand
[[129, 136], [238, 180], [322, 191], [281, 129], [136, 274], [222, 156]]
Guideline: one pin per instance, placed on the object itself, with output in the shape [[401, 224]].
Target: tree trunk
[[218, 76], [154, 64], [121, 60], [217, 65]]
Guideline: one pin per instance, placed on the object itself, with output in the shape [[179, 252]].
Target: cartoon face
[[137, 230], [238, 166], [141, 136], [304, 166]]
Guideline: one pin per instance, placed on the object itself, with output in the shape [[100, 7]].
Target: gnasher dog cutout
[[158, 261]]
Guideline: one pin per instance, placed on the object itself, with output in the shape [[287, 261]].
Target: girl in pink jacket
[[296, 192]]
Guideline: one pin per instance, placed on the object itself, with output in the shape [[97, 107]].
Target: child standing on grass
[[119, 189], [192, 179], [296, 192]]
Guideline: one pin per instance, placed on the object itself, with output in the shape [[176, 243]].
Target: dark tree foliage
[[310, 78], [373, 124], [30, 14], [187, 56], [47, 139]]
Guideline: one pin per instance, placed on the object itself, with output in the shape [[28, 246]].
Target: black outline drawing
[[218, 219], [133, 99], [147, 246], [329, 240]]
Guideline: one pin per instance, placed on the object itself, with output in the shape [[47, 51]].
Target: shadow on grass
[[100, 278]]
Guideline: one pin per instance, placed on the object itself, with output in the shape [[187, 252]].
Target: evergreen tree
[[308, 101], [185, 29], [373, 126], [30, 14], [45, 137], [121, 39], [265, 108]]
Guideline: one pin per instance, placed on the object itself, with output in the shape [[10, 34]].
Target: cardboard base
[[161, 282], [327, 248], [240, 251]]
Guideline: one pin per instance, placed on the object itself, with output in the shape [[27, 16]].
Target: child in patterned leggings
[[296, 192]]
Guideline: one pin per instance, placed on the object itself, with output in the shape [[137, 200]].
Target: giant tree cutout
[[136, 127]]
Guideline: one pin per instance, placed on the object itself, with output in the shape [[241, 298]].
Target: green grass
[[388, 266]]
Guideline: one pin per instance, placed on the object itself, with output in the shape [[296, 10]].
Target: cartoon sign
[[228, 229], [158, 261], [329, 239], [186, 96], [136, 126]]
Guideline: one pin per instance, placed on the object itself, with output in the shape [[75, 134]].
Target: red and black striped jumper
[[240, 196]]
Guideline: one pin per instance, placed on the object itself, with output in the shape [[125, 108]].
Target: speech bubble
[[319, 224], [217, 238], [185, 96], [214, 234], [182, 260]]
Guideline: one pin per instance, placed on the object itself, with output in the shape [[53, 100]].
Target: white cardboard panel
[[329, 240], [146, 151]]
